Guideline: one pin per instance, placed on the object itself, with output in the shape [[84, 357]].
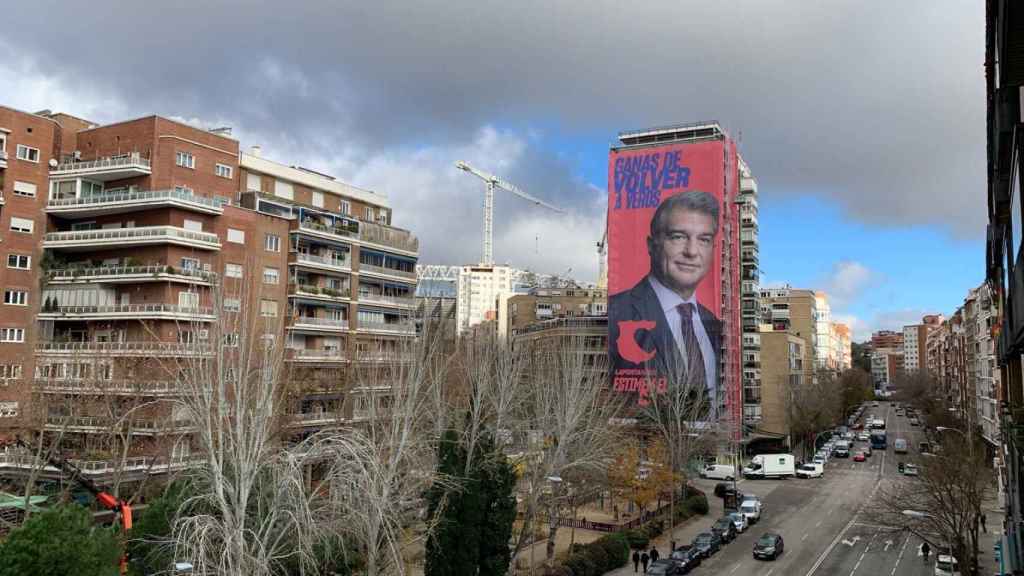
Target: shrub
[[697, 504], [636, 538], [599, 558], [617, 547], [582, 565]]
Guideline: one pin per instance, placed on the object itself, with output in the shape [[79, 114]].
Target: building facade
[[750, 298], [783, 368]]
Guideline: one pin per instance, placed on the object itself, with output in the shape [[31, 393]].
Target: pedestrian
[[636, 561], [644, 559], [983, 528], [654, 554], [925, 551]]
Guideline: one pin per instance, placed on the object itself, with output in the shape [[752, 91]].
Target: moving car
[[842, 449], [707, 543], [910, 470], [739, 520], [725, 529], [859, 457], [686, 557], [769, 546], [810, 471], [946, 565], [899, 446], [719, 472], [752, 510], [820, 460], [863, 437], [664, 567]]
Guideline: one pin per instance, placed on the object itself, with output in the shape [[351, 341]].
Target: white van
[[719, 472], [752, 510], [900, 446], [810, 470]]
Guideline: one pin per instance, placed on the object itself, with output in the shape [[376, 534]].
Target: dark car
[[664, 567], [769, 546], [721, 488], [707, 543], [725, 528], [686, 558]]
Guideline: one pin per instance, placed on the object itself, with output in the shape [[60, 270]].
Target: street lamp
[[916, 514]]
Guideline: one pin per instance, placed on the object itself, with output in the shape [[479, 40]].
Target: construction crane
[[493, 182], [602, 260]]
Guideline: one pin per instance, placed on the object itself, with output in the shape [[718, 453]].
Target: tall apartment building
[[886, 366], [915, 346], [981, 394], [887, 339], [843, 345], [145, 221], [750, 292], [794, 311], [825, 347], [783, 367], [542, 304]]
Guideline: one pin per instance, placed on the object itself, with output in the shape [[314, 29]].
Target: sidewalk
[[992, 508]]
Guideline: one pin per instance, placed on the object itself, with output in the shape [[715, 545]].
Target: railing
[[317, 354], [388, 236], [399, 327], [383, 270], [141, 424], [100, 386], [116, 162], [314, 227], [124, 347], [336, 262], [396, 300], [327, 322], [132, 233], [385, 356], [29, 461], [316, 416], [154, 269], [318, 291], [131, 309], [134, 196]]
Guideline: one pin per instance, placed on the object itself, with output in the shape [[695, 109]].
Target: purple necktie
[[696, 379]]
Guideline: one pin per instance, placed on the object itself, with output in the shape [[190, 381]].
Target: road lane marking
[[735, 568], [818, 524], [804, 538], [835, 541], [770, 572], [864, 553], [900, 557]]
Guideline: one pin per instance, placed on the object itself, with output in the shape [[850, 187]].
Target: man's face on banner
[[682, 250]]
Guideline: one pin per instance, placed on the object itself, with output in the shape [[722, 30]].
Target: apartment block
[[542, 304], [784, 360], [843, 345], [750, 298], [149, 232]]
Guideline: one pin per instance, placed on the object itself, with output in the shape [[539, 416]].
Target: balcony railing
[[138, 197], [391, 300], [130, 309], [313, 417], [108, 272], [397, 327], [388, 236], [310, 290], [125, 161], [124, 348], [385, 356], [322, 261], [333, 230], [147, 234], [104, 423], [98, 386], [323, 355], [97, 467], [324, 322], [411, 274]]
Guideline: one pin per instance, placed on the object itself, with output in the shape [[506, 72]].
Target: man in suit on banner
[[658, 325]]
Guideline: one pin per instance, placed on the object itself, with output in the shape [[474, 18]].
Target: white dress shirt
[[670, 302]]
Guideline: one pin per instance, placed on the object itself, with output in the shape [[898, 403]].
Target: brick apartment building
[[124, 242]]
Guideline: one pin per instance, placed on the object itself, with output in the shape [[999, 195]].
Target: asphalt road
[[819, 521]]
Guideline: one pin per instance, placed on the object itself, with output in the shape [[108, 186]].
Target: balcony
[[312, 355], [313, 324], [130, 274], [397, 328], [104, 424], [323, 263], [82, 240], [144, 464], [130, 201], [129, 312], [334, 233], [386, 355], [138, 387], [391, 273], [3, 159], [151, 348], [388, 238], [382, 300], [315, 419], [105, 169], [319, 293]]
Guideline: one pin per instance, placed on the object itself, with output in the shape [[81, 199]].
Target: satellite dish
[[53, 162]]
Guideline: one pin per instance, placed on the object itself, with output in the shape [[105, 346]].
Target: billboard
[[671, 226]]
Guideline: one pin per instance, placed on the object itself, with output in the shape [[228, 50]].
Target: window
[[3, 144], [26, 189], [268, 308], [185, 160], [16, 297], [232, 305], [19, 261], [222, 170], [193, 225], [318, 199], [236, 236], [253, 182], [188, 299], [184, 190], [346, 207], [12, 334], [10, 371], [28, 153], [231, 340], [268, 341], [233, 270], [21, 225], [284, 189], [369, 214], [272, 243], [8, 409], [270, 275], [190, 264]]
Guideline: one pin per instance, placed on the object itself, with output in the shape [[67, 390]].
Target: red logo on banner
[[628, 348]]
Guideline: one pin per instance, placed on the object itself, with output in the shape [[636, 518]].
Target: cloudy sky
[[864, 124]]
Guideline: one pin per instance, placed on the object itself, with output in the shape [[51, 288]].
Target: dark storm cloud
[[878, 106]]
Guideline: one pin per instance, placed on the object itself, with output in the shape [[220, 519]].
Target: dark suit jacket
[[641, 303]]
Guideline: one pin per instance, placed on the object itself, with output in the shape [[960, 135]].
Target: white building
[[911, 348]]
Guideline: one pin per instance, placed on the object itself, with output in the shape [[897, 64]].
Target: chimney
[[255, 151]]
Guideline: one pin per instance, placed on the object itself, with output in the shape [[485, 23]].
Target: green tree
[[59, 541], [497, 481], [150, 547]]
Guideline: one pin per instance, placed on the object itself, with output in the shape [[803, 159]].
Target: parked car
[[739, 520], [719, 472], [664, 567], [915, 422], [707, 543], [863, 436], [686, 557], [752, 510], [910, 470], [769, 546], [946, 565], [819, 460], [810, 471], [721, 487], [725, 529], [859, 457]]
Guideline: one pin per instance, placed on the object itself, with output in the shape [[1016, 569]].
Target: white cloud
[[847, 282]]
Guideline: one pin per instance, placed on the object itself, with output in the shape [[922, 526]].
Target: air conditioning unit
[[204, 334]]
